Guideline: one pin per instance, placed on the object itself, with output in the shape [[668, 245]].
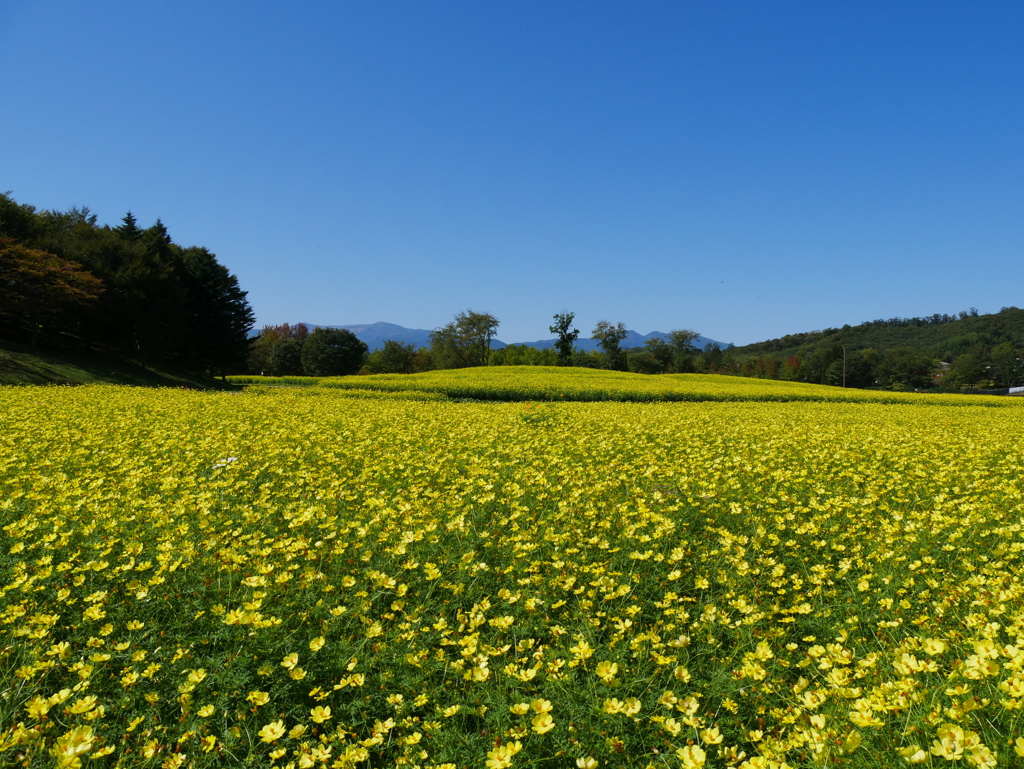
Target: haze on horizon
[[746, 170]]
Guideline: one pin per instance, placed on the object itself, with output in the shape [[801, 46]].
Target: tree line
[[966, 351], [282, 350], [67, 281], [899, 353]]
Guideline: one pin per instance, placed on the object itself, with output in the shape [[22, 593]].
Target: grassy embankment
[[21, 365]]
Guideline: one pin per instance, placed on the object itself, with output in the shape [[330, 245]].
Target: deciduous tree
[[609, 338], [567, 336], [464, 342], [333, 352], [39, 289], [681, 340], [1007, 365], [262, 347], [393, 358], [286, 358]]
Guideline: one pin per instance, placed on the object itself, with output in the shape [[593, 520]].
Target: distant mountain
[[632, 339], [375, 334]]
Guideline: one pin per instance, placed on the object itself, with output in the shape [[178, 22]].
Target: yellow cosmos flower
[[290, 661], [501, 756], [272, 731], [319, 714], [692, 757], [316, 644], [258, 698], [73, 744], [711, 736], [613, 705], [543, 723], [606, 671], [668, 699], [206, 711], [83, 705], [950, 743], [582, 650]]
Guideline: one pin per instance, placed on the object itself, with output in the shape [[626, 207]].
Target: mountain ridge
[[375, 334]]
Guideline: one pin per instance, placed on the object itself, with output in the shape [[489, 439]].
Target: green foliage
[[609, 338], [261, 349], [681, 340], [856, 371], [286, 358], [1007, 365], [159, 301], [218, 312], [968, 370], [129, 228], [393, 358], [904, 367], [332, 352], [521, 355], [900, 352], [39, 289], [17, 220], [567, 336], [464, 342], [585, 359], [643, 362], [660, 351]]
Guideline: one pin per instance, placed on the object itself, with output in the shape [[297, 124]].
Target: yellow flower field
[[317, 578], [551, 383]]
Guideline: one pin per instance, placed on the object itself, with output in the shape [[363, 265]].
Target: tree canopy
[[72, 282], [464, 342], [567, 336], [38, 289], [609, 337], [332, 352]]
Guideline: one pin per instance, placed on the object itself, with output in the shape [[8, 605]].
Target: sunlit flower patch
[[302, 578]]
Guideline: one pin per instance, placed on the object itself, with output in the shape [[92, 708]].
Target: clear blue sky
[[744, 169]]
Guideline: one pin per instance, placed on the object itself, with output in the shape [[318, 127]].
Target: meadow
[[344, 576], [553, 384]]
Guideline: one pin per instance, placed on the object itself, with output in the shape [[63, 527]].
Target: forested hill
[[942, 336], [68, 282], [981, 350]]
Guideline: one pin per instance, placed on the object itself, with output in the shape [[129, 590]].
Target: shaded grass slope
[[21, 365]]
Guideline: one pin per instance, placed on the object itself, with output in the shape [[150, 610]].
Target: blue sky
[[744, 169]]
